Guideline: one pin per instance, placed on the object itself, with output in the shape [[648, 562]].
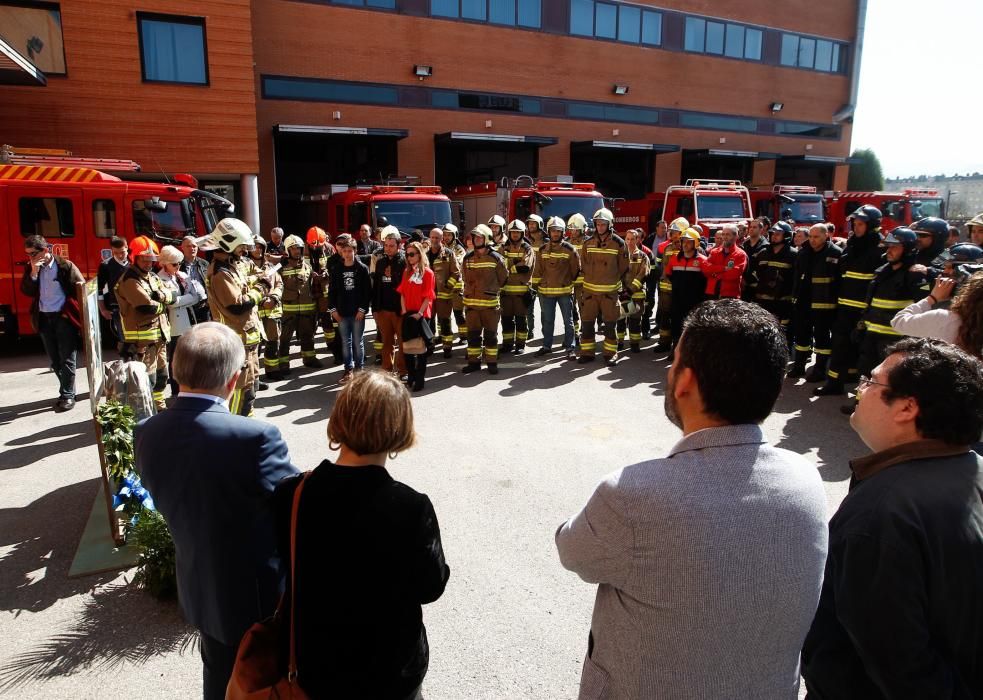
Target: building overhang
[[627, 146], [340, 130], [464, 138], [15, 69]]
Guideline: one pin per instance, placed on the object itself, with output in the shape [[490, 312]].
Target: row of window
[[317, 90], [722, 39], [513, 13], [626, 23], [815, 54], [53, 217]]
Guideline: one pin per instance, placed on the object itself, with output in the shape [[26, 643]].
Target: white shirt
[[922, 321], [208, 397]]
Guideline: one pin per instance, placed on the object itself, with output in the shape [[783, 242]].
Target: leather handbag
[[257, 672]]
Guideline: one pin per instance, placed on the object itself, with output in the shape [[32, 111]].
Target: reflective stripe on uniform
[[890, 303], [843, 301], [858, 275], [602, 288], [880, 328]]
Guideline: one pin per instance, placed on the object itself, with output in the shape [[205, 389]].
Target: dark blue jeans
[[352, 350], [61, 341], [548, 305]]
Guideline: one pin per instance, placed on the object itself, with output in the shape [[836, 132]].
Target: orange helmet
[[316, 237], [142, 245]]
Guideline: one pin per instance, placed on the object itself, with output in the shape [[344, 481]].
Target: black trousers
[[61, 341], [846, 351], [873, 350], [217, 659], [812, 330]]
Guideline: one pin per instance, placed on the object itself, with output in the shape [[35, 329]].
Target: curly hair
[[968, 303]]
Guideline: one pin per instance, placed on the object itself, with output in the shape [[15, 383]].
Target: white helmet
[[293, 241], [576, 221], [679, 224], [389, 230], [557, 222], [517, 225], [228, 235], [604, 214], [451, 228], [536, 218], [497, 219]]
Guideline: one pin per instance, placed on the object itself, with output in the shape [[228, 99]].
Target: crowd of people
[[840, 301], [717, 572]]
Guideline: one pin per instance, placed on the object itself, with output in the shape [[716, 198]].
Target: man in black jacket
[[50, 281], [900, 612]]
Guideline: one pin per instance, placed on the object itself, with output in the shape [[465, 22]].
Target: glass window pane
[[444, 8], [530, 13], [631, 116], [385, 4], [836, 67], [443, 99], [652, 28], [807, 52], [327, 91], [824, 55], [49, 217], [752, 44], [582, 17], [715, 37], [585, 111], [474, 9], [501, 12], [605, 20], [348, 2], [629, 19], [790, 49], [173, 51], [36, 33], [104, 218], [695, 29], [712, 121], [530, 106], [734, 46]]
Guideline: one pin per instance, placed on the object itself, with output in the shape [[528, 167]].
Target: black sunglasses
[[411, 254]]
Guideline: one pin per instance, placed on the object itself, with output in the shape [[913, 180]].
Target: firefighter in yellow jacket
[[484, 272], [143, 300], [447, 283], [299, 305], [633, 295], [271, 308], [557, 266], [233, 301], [604, 261], [576, 235], [454, 245], [516, 297]]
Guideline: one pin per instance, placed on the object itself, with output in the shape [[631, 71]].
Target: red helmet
[[316, 237], [142, 245]]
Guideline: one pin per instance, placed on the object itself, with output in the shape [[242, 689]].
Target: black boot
[[832, 387], [492, 368], [818, 371], [411, 370], [799, 365], [421, 373], [471, 367]]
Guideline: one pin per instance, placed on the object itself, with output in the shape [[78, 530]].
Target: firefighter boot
[[635, 347], [313, 362], [492, 368], [799, 365], [818, 371], [471, 367], [832, 387]]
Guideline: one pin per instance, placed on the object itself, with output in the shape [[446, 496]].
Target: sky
[[920, 107]]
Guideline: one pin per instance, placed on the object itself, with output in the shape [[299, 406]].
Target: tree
[[866, 175]]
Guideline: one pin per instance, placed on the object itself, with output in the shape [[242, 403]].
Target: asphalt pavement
[[505, 460]]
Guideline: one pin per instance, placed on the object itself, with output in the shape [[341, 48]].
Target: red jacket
[[724, 272]]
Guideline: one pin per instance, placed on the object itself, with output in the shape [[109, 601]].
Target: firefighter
[[454, 245], [299, 307], [932, 233], [271, 307], [320, 252], [774, 275], [684, 270], [483, 272], [633, 295], [516, 298], [861, 257], [497, 225], [557, 267], [653, 241], [668, 248], [143, 300], [758, 235], [975, 229], [537, 236], [817, 278], [576, 235], [233, 302], [605, 264], [447, 283]]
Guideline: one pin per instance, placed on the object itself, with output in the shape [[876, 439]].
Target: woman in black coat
[[368, 554]]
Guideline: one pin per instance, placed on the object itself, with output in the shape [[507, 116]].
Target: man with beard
[[686, 548]]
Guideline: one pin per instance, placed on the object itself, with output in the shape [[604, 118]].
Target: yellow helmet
[[680, 224], [557, 222], [604, 214], [576, 221], [293, 241], [690, 234], [976, 220]]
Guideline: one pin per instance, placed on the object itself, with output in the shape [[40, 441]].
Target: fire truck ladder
[[41, 157]]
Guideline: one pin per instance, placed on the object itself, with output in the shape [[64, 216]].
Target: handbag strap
[[292, 663]]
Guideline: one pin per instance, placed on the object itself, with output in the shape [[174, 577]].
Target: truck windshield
[[920, 208], [805, 209], [721, 206], [409, 214], [565, 206], [169, 224]]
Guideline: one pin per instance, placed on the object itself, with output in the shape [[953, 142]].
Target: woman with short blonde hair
[[369, 553]]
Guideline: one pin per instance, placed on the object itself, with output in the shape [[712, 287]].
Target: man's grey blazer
[[710, 564]]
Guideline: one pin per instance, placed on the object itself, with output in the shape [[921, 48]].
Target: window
[[752, 44], [501, 11], [626, 23], [823, 131], [651, 28], [104, 218], [713, 121], [807, 52], [605, 20], [629, 23], [582, 17], [381, 4], [824, 55], [530, 13], [695, 33], [522, 13], [148, 221], [722, 39], [172, 49], [474, 9], [444, 8], [790, 50], [50, 217], [816, 54], [327, 91], [34, 29], [734, 46], [611, 113]]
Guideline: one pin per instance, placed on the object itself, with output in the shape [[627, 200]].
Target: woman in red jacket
[[417, 294], [725, 265]]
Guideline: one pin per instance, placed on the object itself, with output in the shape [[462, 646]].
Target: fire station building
[[277, 100]]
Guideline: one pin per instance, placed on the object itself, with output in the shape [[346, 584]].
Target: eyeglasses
[[411, 254], [866, 381]]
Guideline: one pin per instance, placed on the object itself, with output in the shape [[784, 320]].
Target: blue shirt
[[52, 298]]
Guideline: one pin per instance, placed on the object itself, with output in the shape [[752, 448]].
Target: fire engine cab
[[397, 203], [798, 204], [518, 198], [899, 208], [710, 203], [78, 208]]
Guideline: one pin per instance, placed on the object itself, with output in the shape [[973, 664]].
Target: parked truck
[[797, 204], [899, 208], [518, 198], [710, 203]]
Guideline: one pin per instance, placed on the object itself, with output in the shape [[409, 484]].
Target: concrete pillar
[[763, 174], [840, 177], [668, 170], [249, 186]]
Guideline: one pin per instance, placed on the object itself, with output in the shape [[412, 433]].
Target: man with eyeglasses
[[900, 615], [50, 282]]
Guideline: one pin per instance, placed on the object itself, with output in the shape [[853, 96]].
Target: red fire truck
[[710, 203], [78, 208], [405, 206], [799, 204], [899, 208], [518, 198]]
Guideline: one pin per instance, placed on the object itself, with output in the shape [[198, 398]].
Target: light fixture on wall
[[422, 72], [620, 89], [777, 106]]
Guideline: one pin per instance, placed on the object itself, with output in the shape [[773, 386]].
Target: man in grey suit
[[212, 475], [710, 561]]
